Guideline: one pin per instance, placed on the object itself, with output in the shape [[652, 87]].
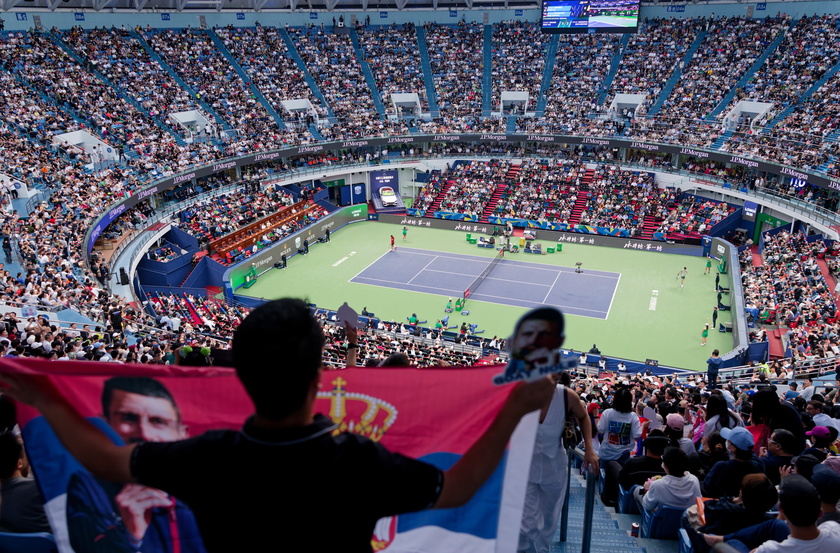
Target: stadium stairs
[[616, 61], [721, 140], [805, 96], [253, 88], [290, 44], [748, 75], [580, 201], [494, 201], [650, 224], [313, 130], [510, 124], [499, 193], [371, 82], [426, 66], [118, 90], [548, 71], [610, 531], [177, 78], [830, 161], [439, 198], [487, 77], [675, 76]]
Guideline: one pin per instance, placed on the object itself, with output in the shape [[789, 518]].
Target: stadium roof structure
[[294, 5], [264, 5]]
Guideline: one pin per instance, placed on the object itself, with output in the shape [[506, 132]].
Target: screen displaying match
[[590, 16]]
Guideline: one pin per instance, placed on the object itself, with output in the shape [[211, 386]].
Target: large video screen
[[590, 16]]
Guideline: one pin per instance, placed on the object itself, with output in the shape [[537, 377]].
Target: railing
[[589, 505]]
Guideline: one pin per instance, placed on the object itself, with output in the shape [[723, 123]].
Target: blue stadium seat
[[37, 542], [662, 524], [685, 542]]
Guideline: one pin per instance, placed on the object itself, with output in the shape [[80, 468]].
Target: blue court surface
[[512, 282]]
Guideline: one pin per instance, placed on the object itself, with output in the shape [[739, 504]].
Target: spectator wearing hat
[[821, 441], [675, 429], [827, 483], [724, 478]]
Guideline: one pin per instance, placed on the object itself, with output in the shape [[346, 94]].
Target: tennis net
[[477, 282]]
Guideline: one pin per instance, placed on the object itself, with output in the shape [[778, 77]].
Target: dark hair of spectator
[[799, 500], [11, 451], [804, 465], [623, 400], [717, 406], [278, 386], [657, 447], [676, 461], [8, 414], [396, 360], [758, 493], [717, 447], [785, 439]]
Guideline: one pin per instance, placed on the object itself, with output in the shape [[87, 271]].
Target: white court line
[[450, 273], [615, 289], [515, 281], [438, 289], [479, 295], [423, 269], [371, 264], [545, 299]]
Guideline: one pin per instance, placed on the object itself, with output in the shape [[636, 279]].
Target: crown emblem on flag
[[358, 413]]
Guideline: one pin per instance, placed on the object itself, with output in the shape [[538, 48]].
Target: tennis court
[[511, 282]]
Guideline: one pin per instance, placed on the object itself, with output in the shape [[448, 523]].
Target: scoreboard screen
[[590, 16]]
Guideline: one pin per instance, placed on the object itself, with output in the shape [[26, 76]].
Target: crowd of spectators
[[789, 287], [809, 49], [467, 187], [220, 216], [519, 51], [621, 199], [694, 217], [121, 58], [456, 54], [575, 85], [652, 56], [545, 190], [337, 70], [265, 57], [42, 64], [396, 344], [194, 56], [394, 59]]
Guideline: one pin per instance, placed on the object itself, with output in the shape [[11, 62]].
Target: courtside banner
[[438, 425]]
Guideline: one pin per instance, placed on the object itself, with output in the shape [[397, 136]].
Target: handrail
[[589, 504]]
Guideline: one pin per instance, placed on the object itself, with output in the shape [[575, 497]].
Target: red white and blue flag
[[430, 414]]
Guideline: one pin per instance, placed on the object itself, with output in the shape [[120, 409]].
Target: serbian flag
[[430, 414]]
